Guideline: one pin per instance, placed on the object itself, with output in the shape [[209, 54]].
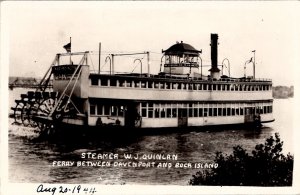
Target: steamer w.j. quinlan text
[[178, 97]]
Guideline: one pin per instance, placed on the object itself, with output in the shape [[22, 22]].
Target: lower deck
[[182, 114]]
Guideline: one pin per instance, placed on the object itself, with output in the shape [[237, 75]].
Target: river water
[[32, 161]]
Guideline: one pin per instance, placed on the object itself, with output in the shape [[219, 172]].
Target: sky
[[36, 31]]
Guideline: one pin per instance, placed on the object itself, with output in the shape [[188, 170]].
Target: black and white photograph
[[142, 97]]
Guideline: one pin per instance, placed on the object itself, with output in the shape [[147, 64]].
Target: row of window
[[151, 110], [202, 110], [178, 86], [106, 110]]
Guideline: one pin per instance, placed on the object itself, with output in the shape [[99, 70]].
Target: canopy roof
[[182, 48]]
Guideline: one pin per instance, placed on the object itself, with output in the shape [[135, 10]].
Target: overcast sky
[[38, 30]]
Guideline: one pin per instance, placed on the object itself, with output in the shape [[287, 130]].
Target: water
[[31, 161]]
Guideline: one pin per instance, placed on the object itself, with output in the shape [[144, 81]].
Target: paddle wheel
[[44, 108]]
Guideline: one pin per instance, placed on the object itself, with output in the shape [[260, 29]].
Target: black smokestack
[[214, 51]]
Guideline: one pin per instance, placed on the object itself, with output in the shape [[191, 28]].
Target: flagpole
[[99, 57], [254, 64], [71, 51]]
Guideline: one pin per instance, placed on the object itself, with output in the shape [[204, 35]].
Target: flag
[[68, 47], [250, 60]]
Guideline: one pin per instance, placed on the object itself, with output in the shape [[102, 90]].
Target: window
[[237, 111], [143, 84], [190, 112], [174, 85], [156, 113], [241, 111], [231, 87], [174, 112], [113, 82], [162, 85], [162, 113], [205, 112], [195, 112], [228, 112], [200, 112], [219, 111], [169, 112], [121, 83], [150, 112], [106, 110], [209, 87], [92, 109], [95, 81], [200, 87], [114, 110], [137, 84], [215, 112], [224, 111], [104, 82], [120, 111], [236, 87], [233, 111], [195, 86], [99, 109], [214, 87], [129, 83], [210, 111], [144, 112], [168, 85], [179, 86]]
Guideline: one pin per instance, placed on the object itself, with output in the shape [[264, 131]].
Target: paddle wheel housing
[[46, 106]]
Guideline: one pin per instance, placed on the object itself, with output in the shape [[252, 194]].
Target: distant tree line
[[267, 166], [283, 92], [24, 82]]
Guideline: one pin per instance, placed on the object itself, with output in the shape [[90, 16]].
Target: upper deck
[[180, 79], [165, 88]]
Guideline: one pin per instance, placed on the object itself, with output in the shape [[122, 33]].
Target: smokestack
[[214, 71]]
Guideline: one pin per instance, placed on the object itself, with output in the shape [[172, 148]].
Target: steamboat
[[179, 96]]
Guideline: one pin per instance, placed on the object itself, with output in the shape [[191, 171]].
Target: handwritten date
[[77, 189]]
